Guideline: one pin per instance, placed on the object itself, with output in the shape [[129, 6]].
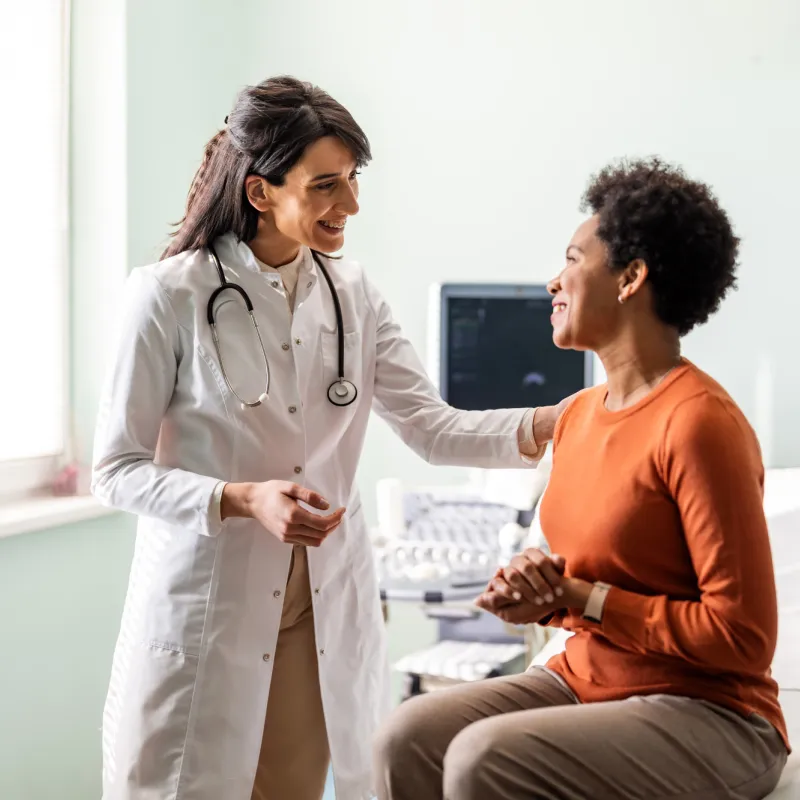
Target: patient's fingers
[[500, 586], [527, 582]]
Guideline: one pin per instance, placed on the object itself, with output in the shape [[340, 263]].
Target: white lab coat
[[191, 675]]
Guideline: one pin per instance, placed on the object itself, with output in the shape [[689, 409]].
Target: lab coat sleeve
[[407, 400], [136, 395]]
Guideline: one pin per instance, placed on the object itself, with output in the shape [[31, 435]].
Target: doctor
[[252, 649]]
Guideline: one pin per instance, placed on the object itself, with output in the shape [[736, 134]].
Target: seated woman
[[664, 572]]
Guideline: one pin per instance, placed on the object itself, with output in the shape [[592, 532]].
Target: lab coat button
[[309, 284], [322, 652], [265, 657], [316, 591], [274, 284], [298, 341], [285, 346], [276, 593], [298, 470], [292, 409]]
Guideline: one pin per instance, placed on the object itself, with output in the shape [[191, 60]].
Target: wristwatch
[[597, 600]]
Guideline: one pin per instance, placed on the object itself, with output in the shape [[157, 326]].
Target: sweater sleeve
[[711, 466]]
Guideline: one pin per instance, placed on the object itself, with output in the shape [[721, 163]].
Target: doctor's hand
[[546, 417], [276, 505]]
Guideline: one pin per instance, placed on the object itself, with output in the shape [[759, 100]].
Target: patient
[[664, 572]]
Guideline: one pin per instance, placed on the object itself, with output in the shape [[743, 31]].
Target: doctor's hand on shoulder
[[276, 505], [546, 417]]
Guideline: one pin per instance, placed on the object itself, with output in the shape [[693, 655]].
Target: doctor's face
[[318, 195]]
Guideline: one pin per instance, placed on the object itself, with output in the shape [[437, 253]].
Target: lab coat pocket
[[156, 713], [181, 590]]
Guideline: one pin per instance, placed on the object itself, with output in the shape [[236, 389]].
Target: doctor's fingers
[[304, 536], [313, 499], [300, 517]]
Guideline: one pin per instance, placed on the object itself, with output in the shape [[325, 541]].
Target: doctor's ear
[[258, 192]]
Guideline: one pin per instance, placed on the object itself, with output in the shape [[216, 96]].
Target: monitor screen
[[497, 351]]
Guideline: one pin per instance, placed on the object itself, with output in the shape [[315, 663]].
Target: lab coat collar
[[239, 254]]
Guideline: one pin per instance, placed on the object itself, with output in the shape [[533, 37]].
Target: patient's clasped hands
[[531, 587]]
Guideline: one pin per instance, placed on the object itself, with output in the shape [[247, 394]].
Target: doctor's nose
[[554, 285], [349, 201]]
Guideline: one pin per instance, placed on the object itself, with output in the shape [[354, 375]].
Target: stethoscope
[[341, 392]]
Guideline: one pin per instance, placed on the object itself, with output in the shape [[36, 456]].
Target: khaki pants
[[294, 756], [526, 736]]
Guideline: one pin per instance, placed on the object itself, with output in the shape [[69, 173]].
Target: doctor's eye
[[325, 187], [354, 174]]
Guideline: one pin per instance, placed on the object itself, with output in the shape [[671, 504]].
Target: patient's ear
[[632, 279]]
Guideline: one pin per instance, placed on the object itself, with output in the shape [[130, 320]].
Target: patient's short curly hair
[[651, 211]]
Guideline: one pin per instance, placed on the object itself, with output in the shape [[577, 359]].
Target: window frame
[[33, 476]]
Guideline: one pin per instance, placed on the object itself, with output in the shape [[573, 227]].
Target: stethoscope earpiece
[[341, 392]]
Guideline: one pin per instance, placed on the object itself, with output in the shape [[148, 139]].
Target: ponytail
[[216, 199], [197, 181]]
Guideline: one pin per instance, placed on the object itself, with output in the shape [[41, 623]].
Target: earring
[[621, 299]]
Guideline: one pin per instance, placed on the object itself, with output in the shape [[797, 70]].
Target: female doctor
[[251, 648]]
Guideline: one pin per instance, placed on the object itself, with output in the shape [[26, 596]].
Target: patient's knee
[[471, 764], [401, 735]]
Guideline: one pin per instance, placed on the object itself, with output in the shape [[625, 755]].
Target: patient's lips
[[559, 307]]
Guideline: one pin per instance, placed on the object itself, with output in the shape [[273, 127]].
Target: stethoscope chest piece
[[341, 392]]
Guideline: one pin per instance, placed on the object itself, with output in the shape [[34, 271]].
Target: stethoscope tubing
[[341, 392]]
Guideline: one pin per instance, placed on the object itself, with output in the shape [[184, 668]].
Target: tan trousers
[[526, 736], [294, 756]]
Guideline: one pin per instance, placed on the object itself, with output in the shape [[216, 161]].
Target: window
[[34, 326]]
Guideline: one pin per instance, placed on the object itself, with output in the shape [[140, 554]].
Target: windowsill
[[39, 513]]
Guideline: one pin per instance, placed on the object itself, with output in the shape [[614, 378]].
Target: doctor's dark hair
[[652, 211], [266, 134]]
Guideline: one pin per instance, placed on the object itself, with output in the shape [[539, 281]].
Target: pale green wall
[[61, 594]]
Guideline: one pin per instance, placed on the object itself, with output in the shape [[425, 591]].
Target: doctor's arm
[[136, 395], [407, 399]]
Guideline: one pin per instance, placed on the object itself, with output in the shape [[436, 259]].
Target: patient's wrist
[[595, 602]]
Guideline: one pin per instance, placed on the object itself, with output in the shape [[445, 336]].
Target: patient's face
[[586, 310]]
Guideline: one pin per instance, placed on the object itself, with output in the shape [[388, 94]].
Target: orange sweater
[[664, 501]]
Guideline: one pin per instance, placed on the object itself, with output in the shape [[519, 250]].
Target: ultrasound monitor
[[491, 346]]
